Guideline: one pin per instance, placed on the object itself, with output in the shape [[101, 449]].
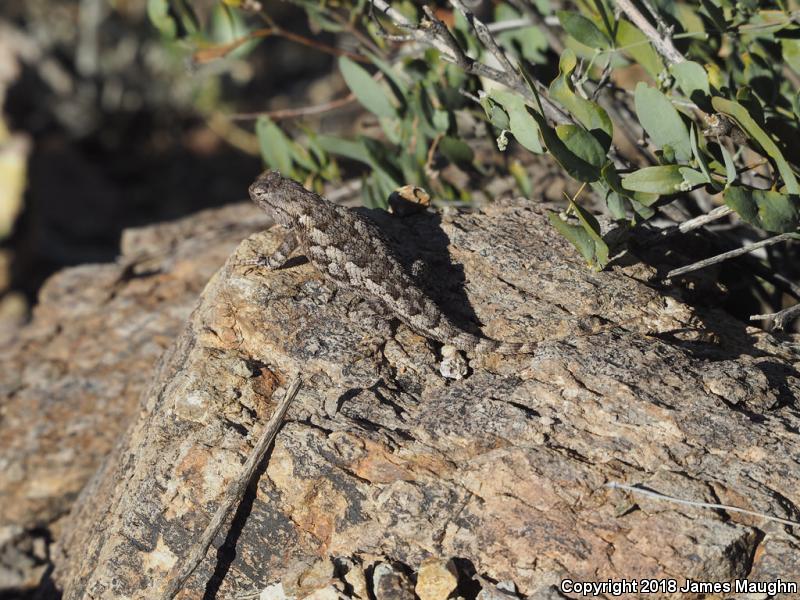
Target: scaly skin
[[350, 250]]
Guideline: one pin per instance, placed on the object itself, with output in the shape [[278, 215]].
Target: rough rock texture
[[72, 378], [503, 470]]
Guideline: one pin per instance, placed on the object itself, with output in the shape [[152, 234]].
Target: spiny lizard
[[350, 250]]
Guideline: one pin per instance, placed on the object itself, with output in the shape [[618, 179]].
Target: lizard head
[[281, 197]]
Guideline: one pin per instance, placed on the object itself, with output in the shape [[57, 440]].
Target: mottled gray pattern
[[352, 252]]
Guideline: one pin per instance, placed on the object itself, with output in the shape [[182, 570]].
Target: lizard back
[[350, 250]]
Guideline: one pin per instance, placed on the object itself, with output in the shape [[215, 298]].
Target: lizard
[[351, 251]]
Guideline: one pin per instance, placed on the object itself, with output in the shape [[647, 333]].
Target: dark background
[[123, 129]]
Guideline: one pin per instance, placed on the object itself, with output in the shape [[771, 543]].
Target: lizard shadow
[[422, 247]]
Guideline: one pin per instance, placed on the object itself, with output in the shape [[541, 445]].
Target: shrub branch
[[662, 43]]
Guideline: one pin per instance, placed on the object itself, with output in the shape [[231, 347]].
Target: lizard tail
[[481, 345], [487, 345]]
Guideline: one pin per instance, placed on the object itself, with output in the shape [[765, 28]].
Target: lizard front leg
[[277, 259]]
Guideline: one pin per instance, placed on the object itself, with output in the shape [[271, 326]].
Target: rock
[[436, 579], [303, 579], [504, 590], [327, 593], [71, 380], [23, 559], [355, 577], [453, 365], [505, 469], [390, 584], [273, 592], [548, 592]]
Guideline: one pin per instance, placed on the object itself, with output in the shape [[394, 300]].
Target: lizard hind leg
[[373, 314]]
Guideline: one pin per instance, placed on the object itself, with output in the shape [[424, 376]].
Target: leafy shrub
[[714, 97]]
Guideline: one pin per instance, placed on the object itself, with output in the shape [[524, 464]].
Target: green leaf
[[573, 164], [664, 179], [640, 200], [730, 167], [530, 41], [520, 123], [520, 176], [612, 178], [276, 148], [398, 83], [385, 162], [368, 91], [499, 118], [385, 172], [582, 143], [440, 119], [616, 204], [592, 227], [585, 237], [188, 16], [692, 79], [303, 157], [456, 151], [582, 29], [771, 211], [791, 53], [795, 99], [751, 128], [343, 147], [636, 45], [317, 19], [158, 12], [746, 97], [698, 155], [590, 115], [692, 178], [661, 121], [716, 13]]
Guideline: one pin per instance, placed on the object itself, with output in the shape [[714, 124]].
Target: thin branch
[[662, 25], [294, 113], [789, 285], [428, 36], [343, 193], [726, 507], [233, 496], [289, 35], [509, 25], [353, 30], [396, 17], [662, 43], [487, 39], [440, 31], [697, 222], [214, 52], [732, 254], [781, 318]]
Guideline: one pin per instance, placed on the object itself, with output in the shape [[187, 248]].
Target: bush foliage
[[706, 91]]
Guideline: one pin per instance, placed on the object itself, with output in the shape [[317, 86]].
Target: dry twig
[[233, 496], [701, 264], [486, 38], [726, 507], [781, 318], [428, 36], [294, 113], [697, 222]]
